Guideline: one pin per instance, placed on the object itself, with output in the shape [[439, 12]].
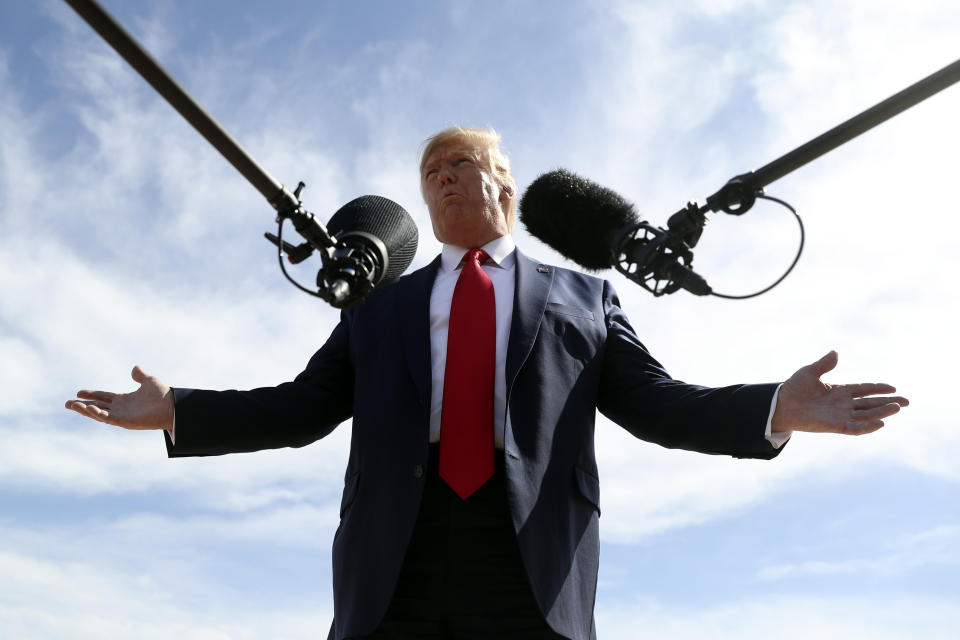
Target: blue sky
[[128, 240]]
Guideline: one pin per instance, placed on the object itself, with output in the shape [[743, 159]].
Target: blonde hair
[[487, 142]]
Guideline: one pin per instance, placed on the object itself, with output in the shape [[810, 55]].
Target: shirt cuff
[[776, 439], [172, 431]]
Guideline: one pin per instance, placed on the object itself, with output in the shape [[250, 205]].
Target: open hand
[[807, 404], [149, 407]]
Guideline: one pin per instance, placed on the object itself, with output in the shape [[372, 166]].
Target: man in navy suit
[[416, 557]]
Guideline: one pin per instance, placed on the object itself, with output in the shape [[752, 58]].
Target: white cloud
[[258, 575], [647, 490], [783, 616], [88, 458], [78, 599], [934, 548]]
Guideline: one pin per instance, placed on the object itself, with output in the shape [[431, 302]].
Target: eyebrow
[[466, 152]]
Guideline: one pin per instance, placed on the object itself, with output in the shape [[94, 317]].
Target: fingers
[[869, 389], [825, 364], [92, 409], [870, 403], [138, 374], [862, 428], [102, 396], [876, 413], [72, 404]]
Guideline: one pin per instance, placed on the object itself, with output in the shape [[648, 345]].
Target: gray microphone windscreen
[[386, 220]]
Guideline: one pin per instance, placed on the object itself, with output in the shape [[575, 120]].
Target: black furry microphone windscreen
[[577, 217]]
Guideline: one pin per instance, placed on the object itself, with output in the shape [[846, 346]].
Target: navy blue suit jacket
[[571, 352]]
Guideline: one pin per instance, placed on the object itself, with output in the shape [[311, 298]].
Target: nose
[[445, 176]]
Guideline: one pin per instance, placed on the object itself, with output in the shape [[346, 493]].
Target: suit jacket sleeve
[[292, 414], [637, 393]]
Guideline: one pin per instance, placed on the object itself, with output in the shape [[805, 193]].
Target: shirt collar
[[500, 250]]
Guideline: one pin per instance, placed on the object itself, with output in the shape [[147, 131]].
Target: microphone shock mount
[[661, 260]]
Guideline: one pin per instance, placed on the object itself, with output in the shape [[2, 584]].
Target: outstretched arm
[[291, 414], [807, 404], [149, 407]]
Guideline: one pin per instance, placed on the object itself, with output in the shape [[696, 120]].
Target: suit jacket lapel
[[413, 310], [529, 301]]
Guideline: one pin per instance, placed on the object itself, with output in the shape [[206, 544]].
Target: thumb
[[138, 374], [825, 364]]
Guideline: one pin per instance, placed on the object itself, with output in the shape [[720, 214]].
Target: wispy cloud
[[42, 599], [783, 616], [937, 548]]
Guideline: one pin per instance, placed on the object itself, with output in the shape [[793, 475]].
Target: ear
[[506, 193]]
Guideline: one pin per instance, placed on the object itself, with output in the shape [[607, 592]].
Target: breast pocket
[[567, 310], [576, 328]]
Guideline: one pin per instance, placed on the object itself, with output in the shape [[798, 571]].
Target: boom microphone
[[578, 218], [376, 242], [599, 229]]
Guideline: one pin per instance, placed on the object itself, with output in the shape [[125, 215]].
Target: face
[[466, 203]]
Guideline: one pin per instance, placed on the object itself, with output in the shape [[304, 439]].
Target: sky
[[126, 239]]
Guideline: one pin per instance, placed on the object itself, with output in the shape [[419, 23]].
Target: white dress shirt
[[500, 269]]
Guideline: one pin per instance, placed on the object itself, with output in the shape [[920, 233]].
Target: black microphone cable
[[792, 264], [283, 267], [660, 259]]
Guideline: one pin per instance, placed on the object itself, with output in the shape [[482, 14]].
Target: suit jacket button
[[418, 471]]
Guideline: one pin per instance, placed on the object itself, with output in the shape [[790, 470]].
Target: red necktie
[[466, 418]]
